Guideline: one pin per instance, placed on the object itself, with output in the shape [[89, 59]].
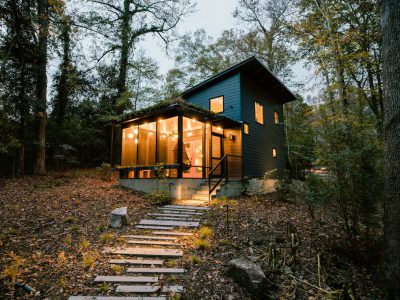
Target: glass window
[[217, 104], [147, 144], [276, 117], [129, 146], [192, 148], [274, 155], [246, 128], [259, 112], [168, 141]]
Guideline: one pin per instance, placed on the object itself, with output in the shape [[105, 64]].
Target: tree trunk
[[123, 63], [43, 21], [390, 264]]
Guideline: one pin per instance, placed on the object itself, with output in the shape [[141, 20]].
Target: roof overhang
[[254, 70]]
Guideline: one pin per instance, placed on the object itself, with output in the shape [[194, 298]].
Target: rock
[[249, 275], [119, 217]]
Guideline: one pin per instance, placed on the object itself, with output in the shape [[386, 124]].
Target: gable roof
[[255, 70]]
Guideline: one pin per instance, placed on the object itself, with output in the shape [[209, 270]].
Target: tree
[[121, 24], [390, 265]]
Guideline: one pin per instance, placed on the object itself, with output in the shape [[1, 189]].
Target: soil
[[54, 228]]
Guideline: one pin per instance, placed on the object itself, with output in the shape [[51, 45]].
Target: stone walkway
[[157, 238]]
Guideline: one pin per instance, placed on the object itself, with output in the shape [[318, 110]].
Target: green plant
[[203, 245], [63, 282], [84, 244], [118, 269], [171, 263], [160, 198], [13, 270], [107, 237], [282, 186], [205, 232], [196, 260], [89, 259], [171, 279], [104, 171], [103, 288]]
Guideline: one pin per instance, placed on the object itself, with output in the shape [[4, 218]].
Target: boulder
[[250, 276], [119, 217]]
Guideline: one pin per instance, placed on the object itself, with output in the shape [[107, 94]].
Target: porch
[[178, 149]]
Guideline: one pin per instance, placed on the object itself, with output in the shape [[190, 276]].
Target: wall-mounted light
[[232, 137]]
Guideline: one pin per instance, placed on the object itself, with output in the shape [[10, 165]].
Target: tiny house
[[202, 145]]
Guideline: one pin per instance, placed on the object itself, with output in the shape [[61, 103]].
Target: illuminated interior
[[185, 147]]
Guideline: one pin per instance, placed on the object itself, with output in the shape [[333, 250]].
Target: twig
[[315, 287]]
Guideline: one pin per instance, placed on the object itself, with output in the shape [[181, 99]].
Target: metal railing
[[223, 164]]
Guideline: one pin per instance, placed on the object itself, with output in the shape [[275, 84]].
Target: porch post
[[180, 145]]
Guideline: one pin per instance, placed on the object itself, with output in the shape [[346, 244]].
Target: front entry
[[217, 152]]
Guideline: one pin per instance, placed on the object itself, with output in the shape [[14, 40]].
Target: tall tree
[[390, 266], [41, 90], [123, 23]]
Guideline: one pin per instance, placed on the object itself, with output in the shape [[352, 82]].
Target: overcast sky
[[214, 16]]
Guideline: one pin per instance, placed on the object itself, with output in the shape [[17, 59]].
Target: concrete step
[[154, 227], [115, 298], [175, 233], [149, 237], [131, 279], [145, 251], [201, 197], [182, 212], [154, 243], [187, 207], [169, 223], [136, 261], [149, 289], [156, 270]]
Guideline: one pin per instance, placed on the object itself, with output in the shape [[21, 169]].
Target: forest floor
[[53, 229]]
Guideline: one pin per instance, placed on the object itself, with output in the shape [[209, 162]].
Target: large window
[[192, 155], [168, 144], [217, 104], [147, 144], [259, 112], [129, 146]]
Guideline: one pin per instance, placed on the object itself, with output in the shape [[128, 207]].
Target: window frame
[[255, 112], [277, 120], [223, 103], [248, 128]]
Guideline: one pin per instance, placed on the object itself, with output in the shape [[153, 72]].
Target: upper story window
[[276, 117], [259, 112], [246, 128], [274, 153], [217, 104]]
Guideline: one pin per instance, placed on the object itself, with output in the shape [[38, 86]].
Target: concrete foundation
[[181, 188]]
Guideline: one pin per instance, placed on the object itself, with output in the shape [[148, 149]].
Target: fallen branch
[[315, 287]]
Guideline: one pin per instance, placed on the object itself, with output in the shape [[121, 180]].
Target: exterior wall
[[229, 88], [182, 188], [257, 146], [233, 147]]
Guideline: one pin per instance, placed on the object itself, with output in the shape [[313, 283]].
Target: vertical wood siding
[[257, 146], [229, 88]]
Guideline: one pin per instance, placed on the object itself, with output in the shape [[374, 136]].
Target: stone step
[[182, 212], [187, 207], [149, 237], [176, 233], [156, 270], [149, 289], [145, 251], [154, 227], [131, 279], [115, 298], [155, 243], [177, 219], [201, 197], [135, 262], [169, 223], [169, 215]]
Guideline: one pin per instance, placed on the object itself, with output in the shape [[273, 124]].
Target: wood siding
[[233, 147], [229, 88], [258, 144]]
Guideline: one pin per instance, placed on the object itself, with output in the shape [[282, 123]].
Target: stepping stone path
[[155, 240]]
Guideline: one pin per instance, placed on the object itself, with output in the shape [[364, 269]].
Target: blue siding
[[257, 146], [229, 88]]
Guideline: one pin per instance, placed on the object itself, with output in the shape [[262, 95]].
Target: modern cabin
[[227, 127]]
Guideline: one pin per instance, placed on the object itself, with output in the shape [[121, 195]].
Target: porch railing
[[224, 174]]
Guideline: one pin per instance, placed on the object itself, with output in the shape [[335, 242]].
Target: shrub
[[160, 198], [205, 232], [107, 237], [203, 245], [104, 171]]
